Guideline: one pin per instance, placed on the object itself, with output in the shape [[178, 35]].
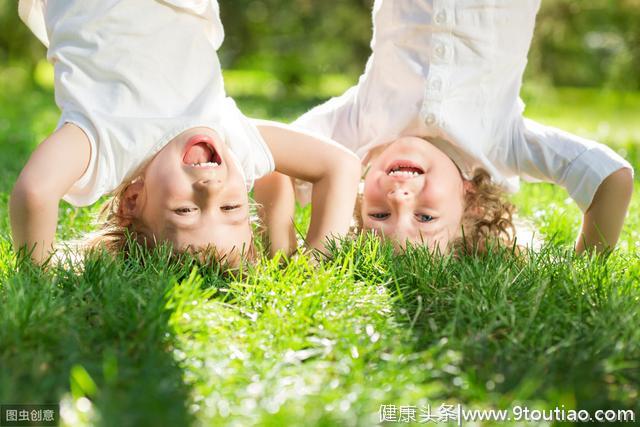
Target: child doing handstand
[[437, 120], [145, 118]]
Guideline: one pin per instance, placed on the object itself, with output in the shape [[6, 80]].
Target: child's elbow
[[342, 166], [616, 190], [29, 194], [624, 182]]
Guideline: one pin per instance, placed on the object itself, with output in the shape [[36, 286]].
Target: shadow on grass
[[109, 320], [551, 328]]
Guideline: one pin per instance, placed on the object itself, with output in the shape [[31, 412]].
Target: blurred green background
[[592, 43]]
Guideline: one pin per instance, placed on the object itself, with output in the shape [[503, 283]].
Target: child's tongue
[[198, 153]]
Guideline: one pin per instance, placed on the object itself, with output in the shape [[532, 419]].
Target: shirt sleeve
[[544, 153], [336, 119], [32, 14]]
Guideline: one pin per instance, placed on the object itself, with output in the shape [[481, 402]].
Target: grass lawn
[[146, 342]]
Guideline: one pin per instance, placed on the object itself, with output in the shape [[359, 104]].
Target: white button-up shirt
[[450, 71], [135, 74]]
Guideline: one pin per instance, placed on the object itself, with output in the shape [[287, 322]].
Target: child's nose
[[400, 195], [208, 184]]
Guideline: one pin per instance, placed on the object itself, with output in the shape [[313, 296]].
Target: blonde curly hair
[[487, 219]]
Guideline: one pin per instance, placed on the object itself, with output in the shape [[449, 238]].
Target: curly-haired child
[[437, 120]]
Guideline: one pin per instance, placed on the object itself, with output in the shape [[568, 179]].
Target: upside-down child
[[146, 119], [437, 120]]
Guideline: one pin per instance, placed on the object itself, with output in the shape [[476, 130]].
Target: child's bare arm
[[333, 170], [52, 169], [275, 195], [603, 220]]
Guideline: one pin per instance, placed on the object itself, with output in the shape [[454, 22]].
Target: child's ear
[[131, 202], [468, 186], [472, 206]]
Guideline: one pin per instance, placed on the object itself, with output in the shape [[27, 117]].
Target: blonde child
[[145, 118], [437, 120]]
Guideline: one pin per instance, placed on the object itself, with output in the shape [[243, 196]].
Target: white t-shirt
[[133, 74], [450, 71]]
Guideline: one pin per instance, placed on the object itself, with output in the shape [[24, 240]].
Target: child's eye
[[229, 207], [379, 216], [185, 211], [424, 218]]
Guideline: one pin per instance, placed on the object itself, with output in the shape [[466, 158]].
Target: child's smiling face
[[194, 195], [413, 192]]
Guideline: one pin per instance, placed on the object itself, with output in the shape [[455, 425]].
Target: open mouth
[[404, 169], [200, 152]]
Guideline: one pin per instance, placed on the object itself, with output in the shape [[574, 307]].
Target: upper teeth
[[397, 172], [207, 164]]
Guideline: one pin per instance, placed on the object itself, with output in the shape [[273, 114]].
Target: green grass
[[145, 341]]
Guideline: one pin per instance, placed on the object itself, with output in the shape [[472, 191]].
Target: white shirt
[[450, 71], [133, 74]]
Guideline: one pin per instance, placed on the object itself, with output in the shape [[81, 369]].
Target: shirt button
[[440, 50], [436, 84], [430, 120], [441, 17]]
